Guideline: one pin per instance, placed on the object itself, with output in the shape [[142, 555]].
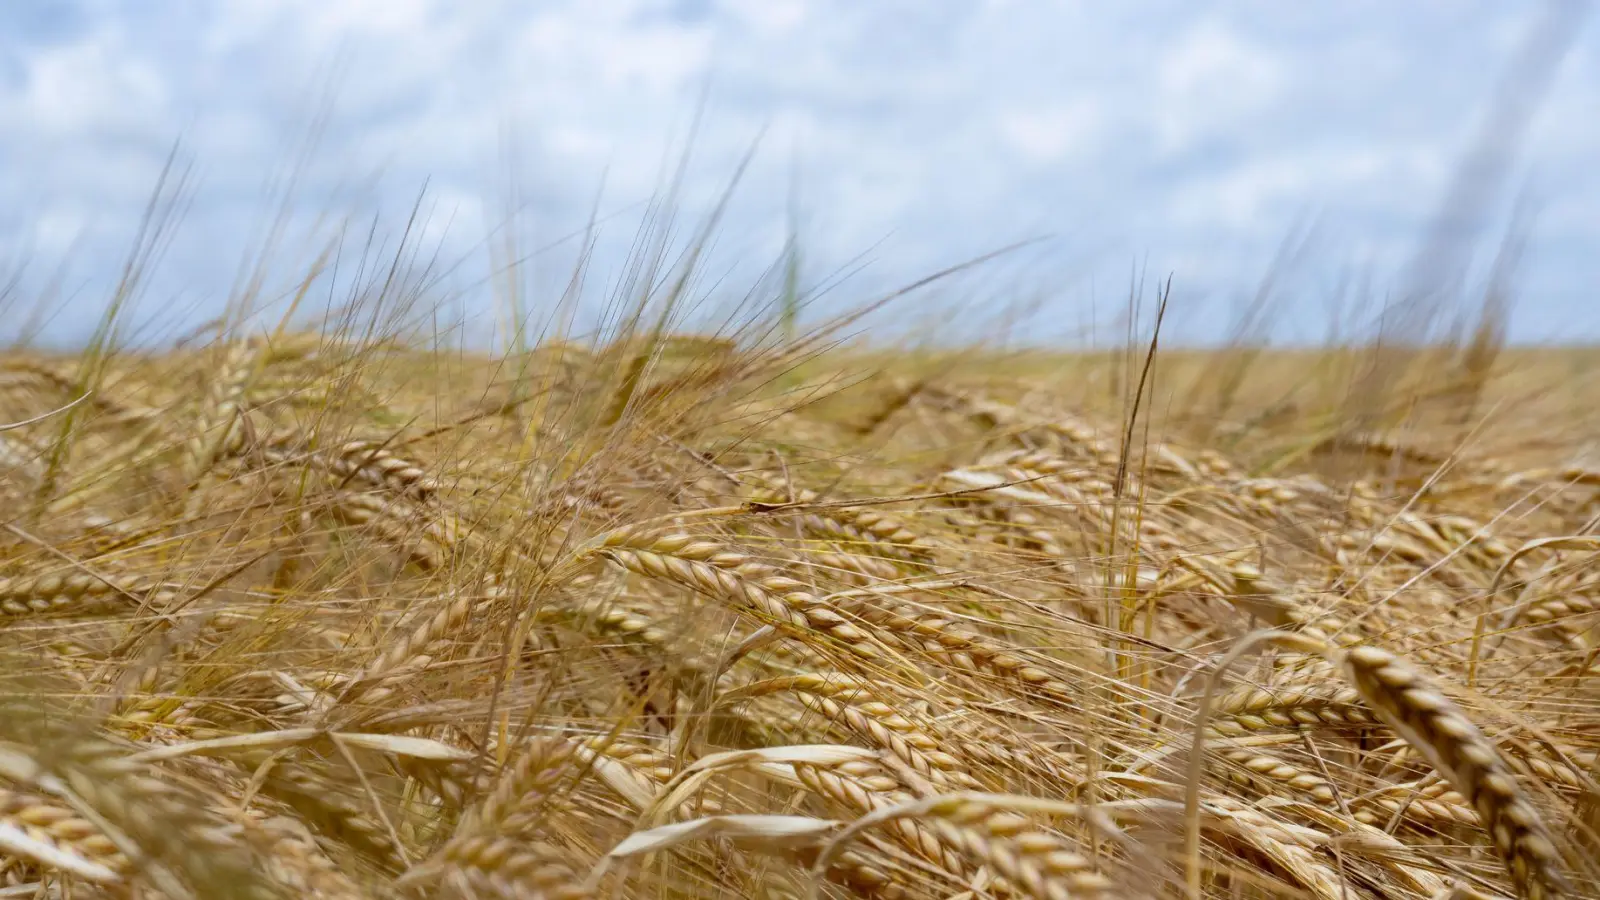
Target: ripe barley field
[[663, 616]]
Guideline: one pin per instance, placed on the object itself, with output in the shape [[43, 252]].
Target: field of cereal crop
[[657, 615]]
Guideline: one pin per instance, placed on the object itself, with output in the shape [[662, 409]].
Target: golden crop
[[307, 616]]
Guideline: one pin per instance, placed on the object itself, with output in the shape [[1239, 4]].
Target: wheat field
[[334, 615]]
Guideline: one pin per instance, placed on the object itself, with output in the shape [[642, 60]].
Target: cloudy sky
[[1181, 138]]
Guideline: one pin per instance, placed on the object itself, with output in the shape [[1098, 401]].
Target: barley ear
[[1408, 701]]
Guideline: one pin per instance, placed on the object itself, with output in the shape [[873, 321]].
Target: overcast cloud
[[1168, 137]]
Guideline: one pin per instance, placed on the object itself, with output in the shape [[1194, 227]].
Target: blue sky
[[1157, 137]]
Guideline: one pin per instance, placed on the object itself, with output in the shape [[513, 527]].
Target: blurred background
[[1295, 168]]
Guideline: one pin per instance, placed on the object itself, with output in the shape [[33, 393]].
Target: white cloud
[[101, 86], [1048, 134], [768, 17], [1213, 81], [1191, 135], [1275, 188]]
